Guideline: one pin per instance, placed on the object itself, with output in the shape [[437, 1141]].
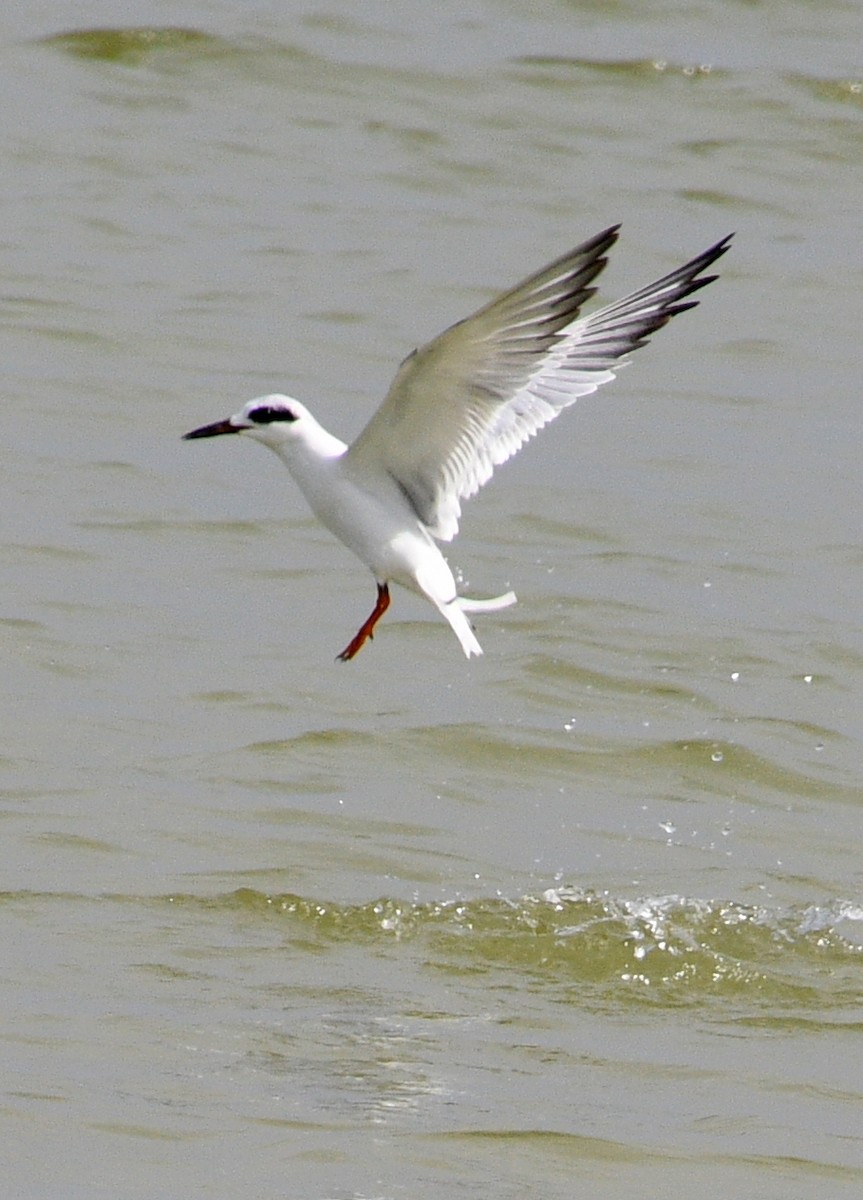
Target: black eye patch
[[265, 415]]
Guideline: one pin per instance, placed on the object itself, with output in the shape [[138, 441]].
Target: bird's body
[[371, 514], [457, 408]]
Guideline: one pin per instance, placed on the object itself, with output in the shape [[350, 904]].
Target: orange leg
[[367, 629]]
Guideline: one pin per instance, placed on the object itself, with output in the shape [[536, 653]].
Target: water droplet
[[717, 756]]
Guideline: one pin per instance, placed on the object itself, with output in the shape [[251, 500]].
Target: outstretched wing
[[468, 400]]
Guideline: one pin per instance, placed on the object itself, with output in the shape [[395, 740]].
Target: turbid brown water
[[582, 917]]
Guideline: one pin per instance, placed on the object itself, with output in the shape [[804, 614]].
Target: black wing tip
[[711, 254], [594, 249], [595, 246], [699, 282], [605, 240], [688, 278], [602, 242]]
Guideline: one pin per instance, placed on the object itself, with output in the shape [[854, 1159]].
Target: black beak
[[212, 430]]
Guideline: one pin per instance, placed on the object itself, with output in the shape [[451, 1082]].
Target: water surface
[[580, 917]]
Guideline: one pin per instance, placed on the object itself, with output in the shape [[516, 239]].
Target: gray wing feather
[[468, 400]]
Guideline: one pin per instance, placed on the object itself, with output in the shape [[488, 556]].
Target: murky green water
[[582, 917]]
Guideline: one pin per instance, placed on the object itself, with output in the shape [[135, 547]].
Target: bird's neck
[[312, 457]]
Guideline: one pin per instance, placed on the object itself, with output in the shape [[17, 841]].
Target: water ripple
[[608, 950]]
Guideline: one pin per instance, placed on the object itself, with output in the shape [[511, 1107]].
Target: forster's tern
[[457, 408]]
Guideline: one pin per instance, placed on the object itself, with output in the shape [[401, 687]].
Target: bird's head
[[273, 420]]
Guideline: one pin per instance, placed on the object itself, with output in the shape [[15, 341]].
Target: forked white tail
[[461, 626], [467, 605]]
